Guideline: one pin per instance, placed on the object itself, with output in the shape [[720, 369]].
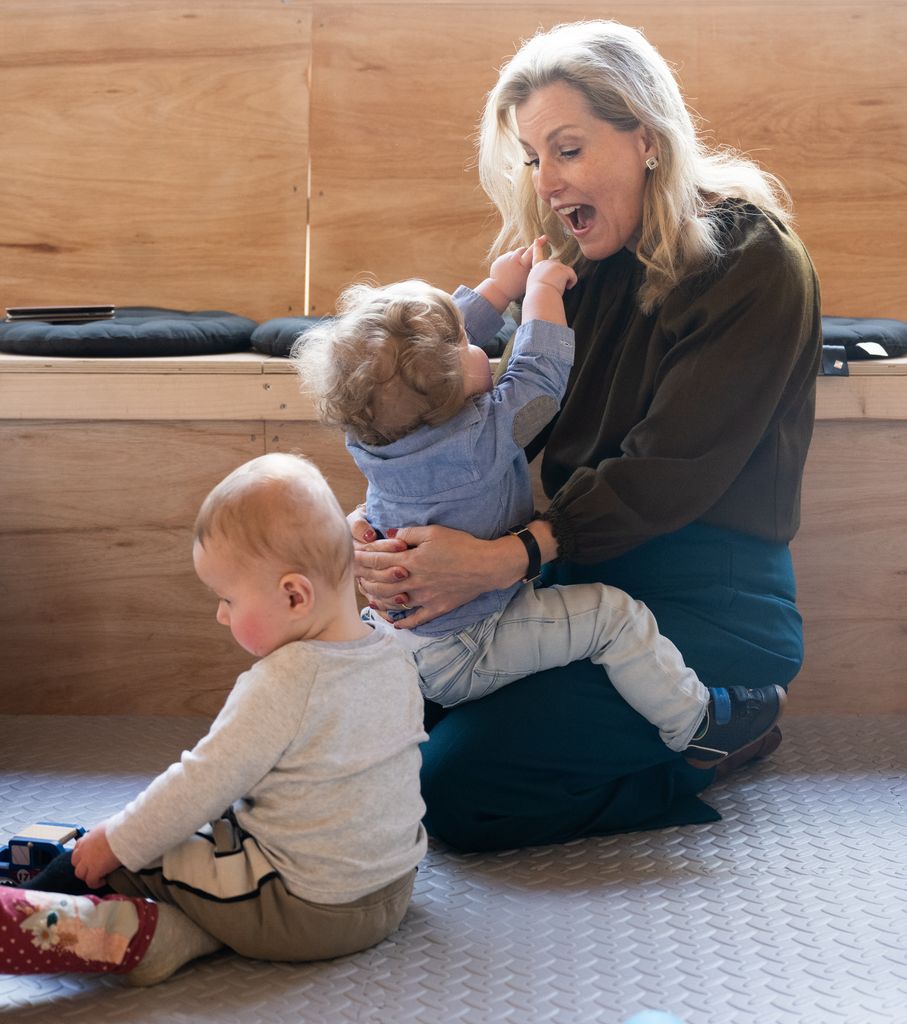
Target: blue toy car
[[33, 849]]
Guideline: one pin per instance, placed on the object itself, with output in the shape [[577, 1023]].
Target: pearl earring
[[652, 163]]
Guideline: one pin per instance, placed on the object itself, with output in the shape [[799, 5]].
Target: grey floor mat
[[791, 910]]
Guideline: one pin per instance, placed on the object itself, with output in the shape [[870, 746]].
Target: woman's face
[[592, 175]]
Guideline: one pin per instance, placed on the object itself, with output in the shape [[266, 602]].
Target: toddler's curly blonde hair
[[387, 363]]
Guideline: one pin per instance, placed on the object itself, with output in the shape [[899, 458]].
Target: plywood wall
[[850, 562], [102, 612], [813, 90], [155, 153], [241, 154], [159, 152]]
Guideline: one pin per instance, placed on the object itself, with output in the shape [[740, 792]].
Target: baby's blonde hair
[[387, 363], [280, 507]]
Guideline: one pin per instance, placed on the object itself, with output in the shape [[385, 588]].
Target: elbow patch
[[532, 418]]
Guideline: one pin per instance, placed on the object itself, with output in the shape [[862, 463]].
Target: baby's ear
[[298, 590]]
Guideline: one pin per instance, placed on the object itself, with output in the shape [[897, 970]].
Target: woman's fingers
[[374, 568], [359, 526], [386, 596], [417, 618], [423, 613]]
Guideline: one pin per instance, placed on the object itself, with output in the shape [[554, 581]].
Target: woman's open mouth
[[578, 217]]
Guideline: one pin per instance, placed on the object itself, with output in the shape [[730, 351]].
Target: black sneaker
[[734, 718]]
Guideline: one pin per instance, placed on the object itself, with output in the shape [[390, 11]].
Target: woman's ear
[[648, 142], [299, 592]]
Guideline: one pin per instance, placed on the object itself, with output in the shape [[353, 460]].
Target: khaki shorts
[[272, 924]]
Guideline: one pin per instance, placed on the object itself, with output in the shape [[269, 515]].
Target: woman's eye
[[531, 161], [569, 154]]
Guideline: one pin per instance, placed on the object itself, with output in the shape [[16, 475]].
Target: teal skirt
[[560, 755]]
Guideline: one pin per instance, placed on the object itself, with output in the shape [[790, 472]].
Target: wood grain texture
[[71, 477], [158, 153], [110, 622], [324, 446], [102, 611], [811, 90], [148, 396], [851, 566], [155, 153]]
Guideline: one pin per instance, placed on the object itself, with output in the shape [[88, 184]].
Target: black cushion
[[276, 337], [861, 337], [865, 337], [134, 331]]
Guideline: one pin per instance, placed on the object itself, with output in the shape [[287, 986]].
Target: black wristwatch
[[534, 569]]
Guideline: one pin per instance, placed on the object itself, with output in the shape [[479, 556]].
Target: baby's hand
[[548, 280], [93, 859], [552, 272], [510, 271]]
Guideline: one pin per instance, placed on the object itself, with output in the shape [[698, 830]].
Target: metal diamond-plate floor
[[792, 910]]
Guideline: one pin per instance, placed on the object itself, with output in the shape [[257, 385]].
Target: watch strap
[[533, 551]]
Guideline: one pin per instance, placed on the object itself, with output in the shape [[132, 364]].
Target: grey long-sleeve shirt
[[317, 751]]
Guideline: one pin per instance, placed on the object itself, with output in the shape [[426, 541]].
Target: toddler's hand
[[93, 859], [510, 271], [552, 272], [548, 279]]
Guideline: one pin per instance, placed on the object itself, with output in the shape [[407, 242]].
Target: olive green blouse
[[702, 411]]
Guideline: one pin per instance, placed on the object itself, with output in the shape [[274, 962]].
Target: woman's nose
[[547, 181], [222, 617]]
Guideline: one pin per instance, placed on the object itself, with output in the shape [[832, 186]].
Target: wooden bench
[[105, 462]]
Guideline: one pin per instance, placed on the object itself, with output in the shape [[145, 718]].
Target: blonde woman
[[674, 464]]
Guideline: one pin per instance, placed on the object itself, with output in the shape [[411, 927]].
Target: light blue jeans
[[550, 627]]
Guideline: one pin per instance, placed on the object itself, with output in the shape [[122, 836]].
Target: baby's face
[[250, 599], [476, 368]]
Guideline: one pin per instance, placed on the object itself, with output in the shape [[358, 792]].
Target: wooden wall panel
[[71, 476], [102, 612], [155, 153], [851, 563], [110, 622], [324, 446], [813, 90]]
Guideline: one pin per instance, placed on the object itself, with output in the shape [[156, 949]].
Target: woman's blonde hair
[[387, 363], [626, 83], [280, 507]]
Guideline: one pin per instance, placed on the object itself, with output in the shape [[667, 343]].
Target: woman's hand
[[438, 570], [366, 544], [93, 859]]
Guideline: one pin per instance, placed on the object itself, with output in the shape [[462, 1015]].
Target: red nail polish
[[392, 532]]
